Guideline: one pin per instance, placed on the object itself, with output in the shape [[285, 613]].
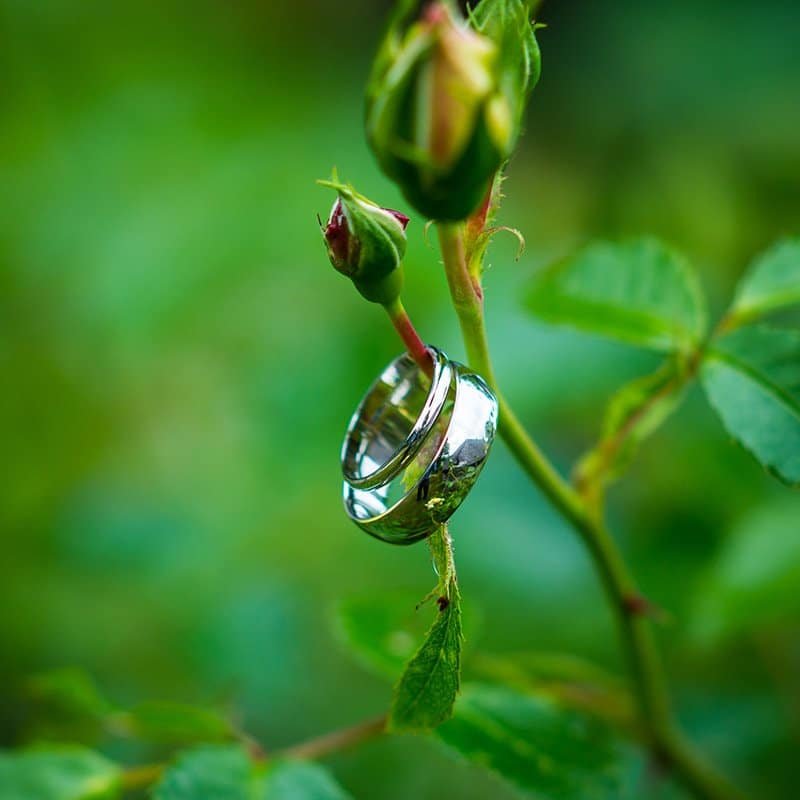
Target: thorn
[[638, 605], [428, 597], [515, 233], [425, 232]]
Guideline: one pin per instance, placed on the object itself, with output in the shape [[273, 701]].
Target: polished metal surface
[[415, 447]]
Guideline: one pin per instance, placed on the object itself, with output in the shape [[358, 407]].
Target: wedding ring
[[415, 446]]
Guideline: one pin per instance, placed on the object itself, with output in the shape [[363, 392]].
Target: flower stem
[[467, 297], [408, 333], [663, 738]]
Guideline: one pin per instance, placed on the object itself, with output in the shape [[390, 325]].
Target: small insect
[[443, 602]]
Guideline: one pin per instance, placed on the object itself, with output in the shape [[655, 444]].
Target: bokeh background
[[179, 361]]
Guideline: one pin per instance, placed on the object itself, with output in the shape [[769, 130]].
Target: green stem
[[467, 297], [662, 736]]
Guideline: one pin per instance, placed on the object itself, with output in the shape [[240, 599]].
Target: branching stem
[[665, 741], [337, 740]]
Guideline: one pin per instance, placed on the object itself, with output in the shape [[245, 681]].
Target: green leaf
[[65, 773], [381, 631], [752, 379], [508, 24], [534, 668], [637, 291], [536, 744], [218, 772], [226, 773], [771, 283], [427, 690], [66, 705], [69, 704], [576, 683], [300, 780], [753, 581], [425, 695], [72, 691], [172, 723], [633, 414]]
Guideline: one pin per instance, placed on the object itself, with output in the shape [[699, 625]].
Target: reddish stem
[[408, 333], [338, 740]]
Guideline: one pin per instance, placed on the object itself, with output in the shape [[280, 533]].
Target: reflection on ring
[[415, 447]]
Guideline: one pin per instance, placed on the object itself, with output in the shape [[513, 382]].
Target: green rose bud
[[367, 243], [445, 101]]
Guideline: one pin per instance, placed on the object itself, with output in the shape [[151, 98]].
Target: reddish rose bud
[[366, 242]]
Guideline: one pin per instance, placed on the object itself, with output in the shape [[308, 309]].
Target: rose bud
[[367, 243], [445, 101]]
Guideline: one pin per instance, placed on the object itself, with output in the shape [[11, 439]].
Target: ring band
[[415, 446], [374, 410]]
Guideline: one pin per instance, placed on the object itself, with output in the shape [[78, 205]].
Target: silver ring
[[415, 446]]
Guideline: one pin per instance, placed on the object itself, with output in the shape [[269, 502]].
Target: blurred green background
[[179, 362]]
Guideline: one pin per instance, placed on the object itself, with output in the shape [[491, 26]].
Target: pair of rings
[[415, 447]]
